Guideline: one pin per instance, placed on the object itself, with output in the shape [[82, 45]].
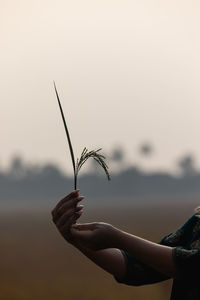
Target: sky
[[127, 73]]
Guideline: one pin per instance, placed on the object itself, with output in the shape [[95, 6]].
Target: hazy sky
[[127, 72]]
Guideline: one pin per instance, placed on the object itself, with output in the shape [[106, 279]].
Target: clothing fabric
[[186, 254]]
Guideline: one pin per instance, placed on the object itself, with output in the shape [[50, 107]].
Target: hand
[[94, 236], [66, 213]]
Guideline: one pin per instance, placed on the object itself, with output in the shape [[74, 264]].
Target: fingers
[[65, 228], [70, 196], [75, 218], [66, 206], [65, 219]]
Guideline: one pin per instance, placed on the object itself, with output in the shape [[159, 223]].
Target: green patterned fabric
[[186, 254]]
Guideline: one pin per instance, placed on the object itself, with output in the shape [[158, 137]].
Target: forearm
[[111, 260], [157, 256]]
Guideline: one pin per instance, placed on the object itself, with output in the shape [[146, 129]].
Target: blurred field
[[36, 262]]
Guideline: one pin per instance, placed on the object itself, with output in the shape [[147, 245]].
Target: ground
[[37, 263]]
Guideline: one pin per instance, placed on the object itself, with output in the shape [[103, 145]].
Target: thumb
[[84, 227]]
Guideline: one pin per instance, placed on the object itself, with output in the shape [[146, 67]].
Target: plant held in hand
[[85, 153]]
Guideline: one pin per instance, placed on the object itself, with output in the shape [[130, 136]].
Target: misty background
[[39, 186], [127, 73]]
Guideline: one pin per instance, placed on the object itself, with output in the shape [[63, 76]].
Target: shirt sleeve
[[181, 235], [186, 255], [138, 273], [187, 261]]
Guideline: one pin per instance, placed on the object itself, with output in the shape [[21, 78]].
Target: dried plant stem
[[85, 155]]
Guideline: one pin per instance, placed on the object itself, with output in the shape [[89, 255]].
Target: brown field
[[36, 262]]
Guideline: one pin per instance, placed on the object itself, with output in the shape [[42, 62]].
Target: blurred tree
[[187, 165], [51, 170], [118, 159], [17, 167], [146, 149], [117, 155]]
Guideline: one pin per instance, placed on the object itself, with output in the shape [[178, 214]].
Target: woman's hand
[[95, 236], [66, 213]]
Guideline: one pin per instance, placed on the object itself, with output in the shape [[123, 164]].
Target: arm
[[102, 236], [148, 262], [158, 257], [175, 262], [110, 260], [125, 268]]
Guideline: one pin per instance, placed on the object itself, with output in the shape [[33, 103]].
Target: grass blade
[[68, 136]]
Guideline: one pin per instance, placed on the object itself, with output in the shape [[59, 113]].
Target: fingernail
[[80, 207], [77, 208]]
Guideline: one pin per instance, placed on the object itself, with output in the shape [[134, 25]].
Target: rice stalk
[[99, 158], [85, 155]]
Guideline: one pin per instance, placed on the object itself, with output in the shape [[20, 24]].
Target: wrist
[[120, 239], [116, 238]]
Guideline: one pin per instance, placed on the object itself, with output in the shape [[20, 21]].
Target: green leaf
[[67, 134]]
